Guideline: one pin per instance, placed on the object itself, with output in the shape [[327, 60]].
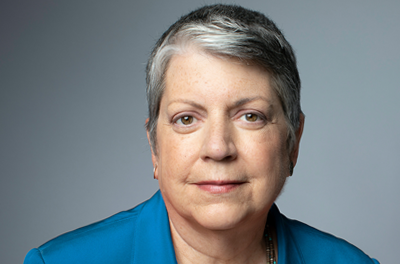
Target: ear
[[299, 133], [153, 156]]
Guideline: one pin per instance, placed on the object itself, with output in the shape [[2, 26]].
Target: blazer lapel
[[288, 250], [152, 237]]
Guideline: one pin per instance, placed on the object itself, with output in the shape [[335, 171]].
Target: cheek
[[268, 155], [177, 155]]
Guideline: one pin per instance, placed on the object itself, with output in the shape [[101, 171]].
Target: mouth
[[217, 187]]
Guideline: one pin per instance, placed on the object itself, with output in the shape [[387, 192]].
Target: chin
[[220, 217]]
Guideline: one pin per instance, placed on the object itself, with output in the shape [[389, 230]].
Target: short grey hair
[[234, 32]]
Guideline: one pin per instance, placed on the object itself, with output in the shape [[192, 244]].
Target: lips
[[219, 186]]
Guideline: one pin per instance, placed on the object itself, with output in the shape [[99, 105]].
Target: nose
[[218, 142]]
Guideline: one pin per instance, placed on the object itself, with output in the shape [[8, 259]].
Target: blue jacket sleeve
[[34, 257]]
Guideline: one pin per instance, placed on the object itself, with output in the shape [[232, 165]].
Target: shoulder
[[110, 238], [320, 247]]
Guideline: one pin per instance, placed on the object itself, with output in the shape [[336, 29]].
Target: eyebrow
[[247, 100], [238, 103], [189, 102]]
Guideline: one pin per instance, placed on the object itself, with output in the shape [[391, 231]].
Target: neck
[[245, 244]]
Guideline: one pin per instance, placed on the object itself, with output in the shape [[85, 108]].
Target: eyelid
[[260, 115], [177, 117]]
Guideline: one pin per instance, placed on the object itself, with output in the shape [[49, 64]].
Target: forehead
[[198, 73]]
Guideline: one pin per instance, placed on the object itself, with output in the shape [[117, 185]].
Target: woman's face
[[221, 156]]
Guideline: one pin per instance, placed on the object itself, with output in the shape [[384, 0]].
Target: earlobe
[[155, 174]]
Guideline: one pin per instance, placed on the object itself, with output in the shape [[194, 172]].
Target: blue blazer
[[142, 235]]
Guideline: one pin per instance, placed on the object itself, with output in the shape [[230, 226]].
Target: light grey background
[[73, 149]]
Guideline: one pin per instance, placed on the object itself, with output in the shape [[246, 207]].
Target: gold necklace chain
[[270, 245]]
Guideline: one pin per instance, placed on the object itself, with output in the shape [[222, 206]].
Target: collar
[[152, 238], [288, 250]]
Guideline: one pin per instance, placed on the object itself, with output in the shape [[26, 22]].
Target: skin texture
[[222, 157]]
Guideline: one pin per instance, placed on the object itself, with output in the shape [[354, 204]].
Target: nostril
[[228, 158]]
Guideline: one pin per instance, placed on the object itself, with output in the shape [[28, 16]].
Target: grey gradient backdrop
[[73, 149]]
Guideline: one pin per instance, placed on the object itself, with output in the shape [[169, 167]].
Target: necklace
[[270, 245]]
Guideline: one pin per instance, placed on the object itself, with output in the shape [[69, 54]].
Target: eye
[[185, 120], [250, 117]]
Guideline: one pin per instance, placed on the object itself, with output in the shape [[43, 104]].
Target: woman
[[224, 128]]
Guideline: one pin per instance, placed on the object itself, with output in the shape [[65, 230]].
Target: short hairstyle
[[234, 32]]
